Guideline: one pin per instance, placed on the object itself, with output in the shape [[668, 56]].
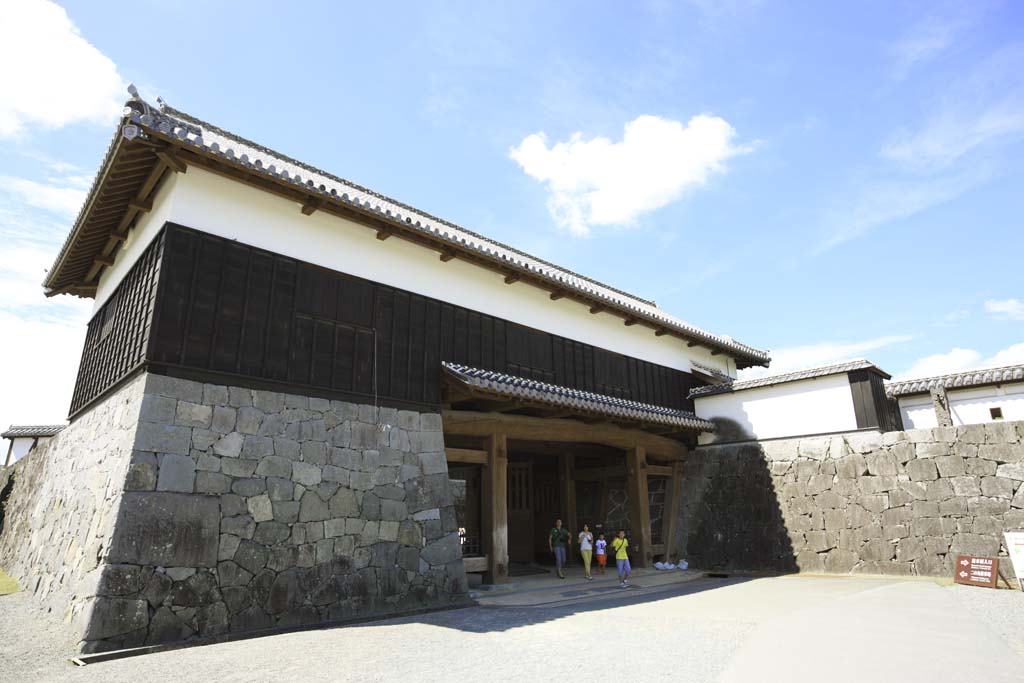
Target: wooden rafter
[[172, 161], [447, 255], [511, 278]]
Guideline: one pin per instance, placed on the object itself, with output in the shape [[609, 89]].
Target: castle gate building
[[342, 404]]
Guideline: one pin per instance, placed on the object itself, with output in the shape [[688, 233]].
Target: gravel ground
[[1001, 610], [692, 632]]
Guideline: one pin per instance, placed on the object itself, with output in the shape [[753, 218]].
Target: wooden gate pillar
[[495, 522], [568, 495], [672, 510], [639, 507]]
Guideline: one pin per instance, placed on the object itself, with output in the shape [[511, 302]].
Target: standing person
[[601, 553], [621, 547], [586, 550], [558, 539]]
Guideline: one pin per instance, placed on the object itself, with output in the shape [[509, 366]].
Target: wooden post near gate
[[568, 495], [639, 507], [495, 509], [671, 510]]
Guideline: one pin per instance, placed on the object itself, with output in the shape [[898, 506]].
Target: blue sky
[[820, 180]]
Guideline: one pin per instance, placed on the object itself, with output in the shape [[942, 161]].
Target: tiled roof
[[189, 132], [510, 386], [971, 378], [796, 376], [30, 431]]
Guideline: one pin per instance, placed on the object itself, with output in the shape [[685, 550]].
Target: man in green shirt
[[558, 539]]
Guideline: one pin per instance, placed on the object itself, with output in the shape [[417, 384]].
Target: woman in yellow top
[[620, 546]]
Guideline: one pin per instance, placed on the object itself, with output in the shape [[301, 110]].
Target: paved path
[[791, 629]]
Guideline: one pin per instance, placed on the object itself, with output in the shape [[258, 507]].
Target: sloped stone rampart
[[902, 503], [240, 510], [62, 500]]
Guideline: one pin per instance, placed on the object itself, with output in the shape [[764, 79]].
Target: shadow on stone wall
[[730, 513], [893, 503]]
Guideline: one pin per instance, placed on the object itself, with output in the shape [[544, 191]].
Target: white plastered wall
[[811, 406], [211, 203], [966, 406], [21, 446]]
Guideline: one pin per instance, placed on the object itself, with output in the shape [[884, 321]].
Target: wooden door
[[520, 512]]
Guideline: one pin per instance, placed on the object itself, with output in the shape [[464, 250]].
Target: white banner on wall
[[1015, 545]]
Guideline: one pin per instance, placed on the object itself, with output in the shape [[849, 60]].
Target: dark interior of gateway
[[543, 479]]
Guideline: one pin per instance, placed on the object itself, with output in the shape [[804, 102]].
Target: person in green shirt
[[558, 539]]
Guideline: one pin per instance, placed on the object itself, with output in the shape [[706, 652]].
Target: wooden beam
[[511, 278], [639, 507], [558, 294], [660, 333], [172, 161], [84, 290], [629, 322], [119, 236], [659, 470], [673, 494], [466, 455], [568, 493], [596, 308], [447, 256], [495, 508], [384, 234], [692, 344], [310, 207], [113, 241], [141, 205], [104, 260], [715, 352], [470, 423]]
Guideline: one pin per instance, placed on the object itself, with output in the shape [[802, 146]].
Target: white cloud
[[934, 35], [961, 360], [887, 200], [1005, 309], [55, 198], [981, 109], [52, 76], [601, 182], [792, 358]]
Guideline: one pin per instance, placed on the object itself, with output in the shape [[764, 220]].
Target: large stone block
[[166, 529], [177, 473], [109, 617], [163, 438], [1002, 452]]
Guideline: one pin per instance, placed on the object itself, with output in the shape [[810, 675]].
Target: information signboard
[[1015, 545], [976, 571]]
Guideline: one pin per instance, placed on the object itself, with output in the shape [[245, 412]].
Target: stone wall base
[[241, 510], [903, 503]]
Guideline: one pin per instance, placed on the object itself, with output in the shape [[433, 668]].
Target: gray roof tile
[[970, 378], [796, 376], [30, 431], [510, 386]]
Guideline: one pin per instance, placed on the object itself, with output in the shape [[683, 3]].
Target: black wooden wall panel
[[234, 309], [118, 334]]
